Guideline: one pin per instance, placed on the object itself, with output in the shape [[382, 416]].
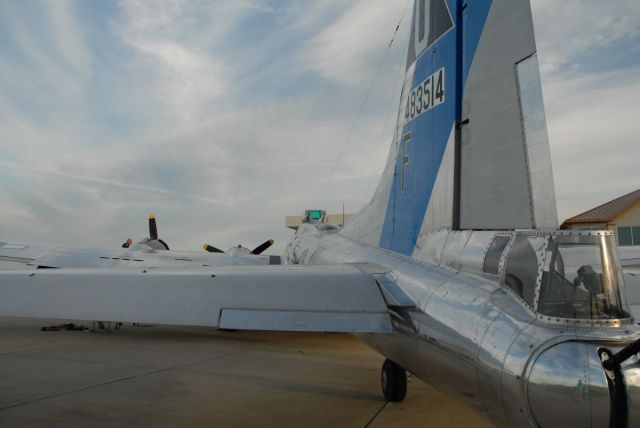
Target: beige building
[[621, 215]]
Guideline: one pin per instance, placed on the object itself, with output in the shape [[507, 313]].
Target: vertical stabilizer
[[506, 177], [470, 149]]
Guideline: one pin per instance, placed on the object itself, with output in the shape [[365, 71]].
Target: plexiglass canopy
[[567, 274]]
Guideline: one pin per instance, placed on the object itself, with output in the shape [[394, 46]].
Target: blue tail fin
[[470, 149]]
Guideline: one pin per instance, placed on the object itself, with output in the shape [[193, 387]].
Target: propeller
[[153, 228], [260, 248], [211, 248], [153, 232]]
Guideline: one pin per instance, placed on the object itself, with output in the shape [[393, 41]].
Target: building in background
[[621, 215], [293, 221]]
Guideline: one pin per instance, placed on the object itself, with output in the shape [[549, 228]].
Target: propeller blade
[[211, 248], [260, 248], [153, 229]]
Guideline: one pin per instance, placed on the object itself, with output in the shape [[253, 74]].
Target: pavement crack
[[373, 418]]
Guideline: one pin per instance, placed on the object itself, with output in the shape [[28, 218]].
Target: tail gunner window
[[581, 279], [568, 275]]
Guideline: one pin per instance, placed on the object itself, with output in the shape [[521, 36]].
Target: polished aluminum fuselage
[[467, 333]]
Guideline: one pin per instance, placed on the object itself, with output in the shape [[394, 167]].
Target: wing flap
[[331, 321], [300, 298]]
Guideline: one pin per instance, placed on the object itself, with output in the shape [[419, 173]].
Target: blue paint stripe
[[430, 131]]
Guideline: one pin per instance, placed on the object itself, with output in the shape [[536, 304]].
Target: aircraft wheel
[[394, 381]]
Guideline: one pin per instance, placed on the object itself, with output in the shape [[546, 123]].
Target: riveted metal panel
[[506, 324], [473, 254], [456, 241], [451, 330], [430, 246], [498, 189], [567, 387]]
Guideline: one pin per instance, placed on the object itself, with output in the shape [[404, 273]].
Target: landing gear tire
[[394, 381]]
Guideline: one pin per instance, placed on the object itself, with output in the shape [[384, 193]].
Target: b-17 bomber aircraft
[[454, 271]]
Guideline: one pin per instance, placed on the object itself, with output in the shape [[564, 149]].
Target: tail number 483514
[[425, 96]]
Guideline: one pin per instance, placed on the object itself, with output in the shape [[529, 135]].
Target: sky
[[223, 117]]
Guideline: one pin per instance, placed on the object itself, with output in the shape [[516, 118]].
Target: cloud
[[97, 182], [45, 64], [179, 76], [348, 49], [593, 132], [224, 117], [566, 30], [589, 80], [69, 37]]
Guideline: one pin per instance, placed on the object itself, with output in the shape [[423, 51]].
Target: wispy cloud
[[69, 38], [590, 75], [568, 29], [594, 144], [94, 182], [223, 117], [349, 49]]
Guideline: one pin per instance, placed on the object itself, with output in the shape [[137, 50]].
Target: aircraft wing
[[632, 284], [335, 298], [25, 255], [629, 256]]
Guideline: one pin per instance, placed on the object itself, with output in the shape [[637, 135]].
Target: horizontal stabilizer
[[337, 298], [632, 284]]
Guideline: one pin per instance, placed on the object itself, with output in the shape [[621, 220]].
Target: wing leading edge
[[335, 298]]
